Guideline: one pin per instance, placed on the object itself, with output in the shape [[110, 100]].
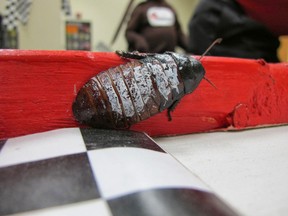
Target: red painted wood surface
[[38, 87]]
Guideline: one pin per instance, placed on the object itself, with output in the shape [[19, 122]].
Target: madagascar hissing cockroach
[[132, 92]]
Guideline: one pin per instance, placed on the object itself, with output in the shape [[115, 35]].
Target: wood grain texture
[[38, 87]]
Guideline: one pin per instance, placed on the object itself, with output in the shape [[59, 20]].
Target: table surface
[[248, 169]]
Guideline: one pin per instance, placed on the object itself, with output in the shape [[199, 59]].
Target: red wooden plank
[[38, 87]]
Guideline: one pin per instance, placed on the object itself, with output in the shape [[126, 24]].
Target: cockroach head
[[190, 69]]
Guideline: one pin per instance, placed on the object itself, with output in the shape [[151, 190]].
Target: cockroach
[[144, 86]]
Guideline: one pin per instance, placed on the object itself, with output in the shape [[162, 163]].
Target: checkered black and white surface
[[98, 172]]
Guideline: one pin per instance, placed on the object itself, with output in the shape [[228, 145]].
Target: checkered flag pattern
[[16, 11], [23, 9], [98, 172], [66, 7]]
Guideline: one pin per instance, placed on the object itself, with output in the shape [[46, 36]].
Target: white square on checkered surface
[[42, 146], [90, 207], [120, 171]]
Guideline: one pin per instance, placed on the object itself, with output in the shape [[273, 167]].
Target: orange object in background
[[71, 29], [38, 88], [283, 49]]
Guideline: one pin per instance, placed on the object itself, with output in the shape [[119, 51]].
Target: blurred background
[[85, 25]]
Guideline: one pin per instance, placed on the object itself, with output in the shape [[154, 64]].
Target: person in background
[[249, 28], [154, 27]]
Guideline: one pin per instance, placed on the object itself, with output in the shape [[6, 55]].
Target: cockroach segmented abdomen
[[122, 96]]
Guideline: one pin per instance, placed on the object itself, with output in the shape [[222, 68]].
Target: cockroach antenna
[[210, 82], [217, 41]]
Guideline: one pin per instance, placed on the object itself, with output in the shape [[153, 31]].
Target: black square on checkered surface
[[2, 142], [46, 183], [99, 139], [169, 202]]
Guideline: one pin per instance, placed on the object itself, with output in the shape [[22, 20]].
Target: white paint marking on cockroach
[[170, 69], [144, 83], [123, 93], [134, 90], [112, 96], [161, 79]]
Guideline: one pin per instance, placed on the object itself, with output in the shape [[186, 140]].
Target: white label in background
[[160, 17]]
